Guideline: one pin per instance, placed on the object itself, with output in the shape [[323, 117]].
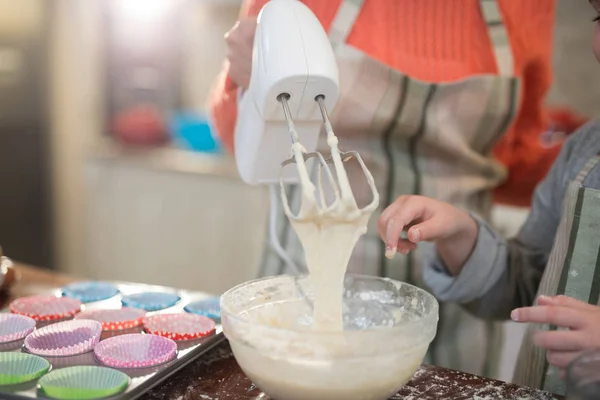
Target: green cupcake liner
[[16, 368], [83, 383]]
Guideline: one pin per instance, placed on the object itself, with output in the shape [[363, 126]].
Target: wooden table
[[217, 376], [33, 281]]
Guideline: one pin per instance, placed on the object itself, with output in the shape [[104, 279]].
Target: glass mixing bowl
[[388, 326]]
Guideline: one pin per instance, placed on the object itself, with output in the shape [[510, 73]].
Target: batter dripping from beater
[[328, 233]]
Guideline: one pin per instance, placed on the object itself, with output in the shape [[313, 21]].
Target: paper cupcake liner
[[179, 326], [83, 383], [88, 292], [16, 368], [135, 351], [115, 320], [66, 338], [46, 307], [15, 327], [151, 301], [208, 308]]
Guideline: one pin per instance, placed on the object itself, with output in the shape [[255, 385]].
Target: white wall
[[20, 18], [576, 71], [203, 33], [76, 99]]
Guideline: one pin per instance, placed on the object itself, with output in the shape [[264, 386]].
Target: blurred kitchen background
[[108, 168]]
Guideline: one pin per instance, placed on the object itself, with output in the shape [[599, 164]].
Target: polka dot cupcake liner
[[17, 368], [135, 351], [66, 338], [208, 308], [88, 292], [151, 301], [46, 307], [83, 383], [115, 320], [15, 327], [179, 326]]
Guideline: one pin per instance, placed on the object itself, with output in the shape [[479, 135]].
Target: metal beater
[[344, 204]]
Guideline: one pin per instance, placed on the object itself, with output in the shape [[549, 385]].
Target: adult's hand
[[240, 40]]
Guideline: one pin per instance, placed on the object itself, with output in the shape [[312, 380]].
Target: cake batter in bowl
[[388, 326]]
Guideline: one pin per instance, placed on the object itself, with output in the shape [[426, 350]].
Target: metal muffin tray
[[142, 379]]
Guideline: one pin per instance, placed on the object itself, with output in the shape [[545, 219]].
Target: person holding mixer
[[442, 98]]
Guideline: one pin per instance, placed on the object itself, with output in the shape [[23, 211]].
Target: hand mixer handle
[[292, 55]]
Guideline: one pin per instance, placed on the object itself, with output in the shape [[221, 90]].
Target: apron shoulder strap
[[587, 168], [498, 36], [343, 22]]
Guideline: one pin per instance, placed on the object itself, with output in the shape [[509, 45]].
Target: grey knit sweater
[[501, 274]]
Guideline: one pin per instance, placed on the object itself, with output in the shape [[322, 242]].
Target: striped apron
[[573, 270], [416, 138]]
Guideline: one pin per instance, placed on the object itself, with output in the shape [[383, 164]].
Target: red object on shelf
[[140, 125]]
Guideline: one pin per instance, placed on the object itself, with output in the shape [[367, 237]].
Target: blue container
[[194, 132]]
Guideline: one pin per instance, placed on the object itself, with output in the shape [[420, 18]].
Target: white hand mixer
[[294, 81]]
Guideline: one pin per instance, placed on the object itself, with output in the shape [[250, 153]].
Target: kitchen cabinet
[[173, 218]]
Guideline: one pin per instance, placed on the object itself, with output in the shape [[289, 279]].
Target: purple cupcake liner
[[135, 351], [66, 338], [15, 327]]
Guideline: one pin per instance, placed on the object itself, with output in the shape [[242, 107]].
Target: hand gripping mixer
[[294, 81]]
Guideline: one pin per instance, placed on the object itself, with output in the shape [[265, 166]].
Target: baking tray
[[142, 379]]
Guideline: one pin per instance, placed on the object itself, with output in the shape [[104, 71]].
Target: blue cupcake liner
[[209, 308], [151, 301], [88, 292]]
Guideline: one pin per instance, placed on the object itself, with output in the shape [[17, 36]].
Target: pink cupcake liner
[[66, 338], [15, 327], [115, 320], [46, 307], [136, 350], [179, 326]]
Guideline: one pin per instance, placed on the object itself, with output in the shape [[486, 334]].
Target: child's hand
[[562, 346], [424, 219]]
